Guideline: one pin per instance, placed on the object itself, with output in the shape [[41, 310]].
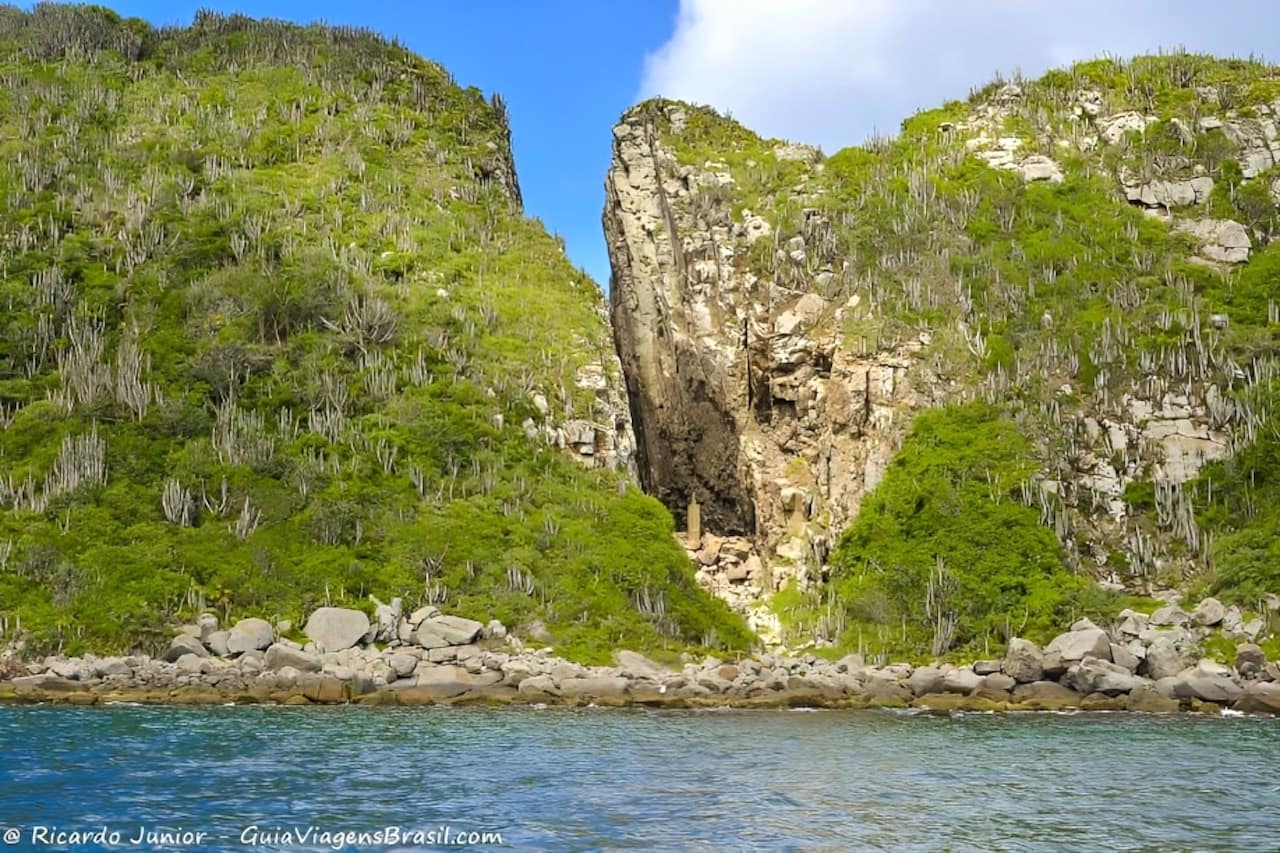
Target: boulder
[[439, 631], [422, 614], [635, 665], [402, 664], [1222, 240], [1164, 659], [1023, 661], [1046, 694], [998, 681], [538, 685], [207, 623], [250, 634], [279, 656], [1170, 615], [1208, 613], [1093, 675], [962, 681], [217, 643], [495, 630], [1132, 623], [1146, 698], [986, 667], [336, 628], [385, 619], [925, 679], [1077, 645], [1260, 697], [1207, 681], [1250, 659], [1122, 656], [184, 644]]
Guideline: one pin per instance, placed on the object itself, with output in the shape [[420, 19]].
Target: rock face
[[742, 396], [336, 628]]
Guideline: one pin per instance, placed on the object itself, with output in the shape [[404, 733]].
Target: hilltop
[[278, 335]]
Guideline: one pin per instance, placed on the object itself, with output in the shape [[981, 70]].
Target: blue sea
[[275, 778]]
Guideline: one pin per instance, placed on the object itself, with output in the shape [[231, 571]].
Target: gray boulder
[[925, 679], [1208, 613], [336, 628], [1132, 623], [1165, 658], [1024, 661], [1077, 645], [1170, 615], [635, 665], [217, 643], [402, 664], [999, 681], [1260, 697], [184, 644], [207, 623], [986, 667], [250, 635], [1093, 675], [1250, 659], [279, 656], [439, 631], [1208, 681], [422, 614], [963, 681], [385, 618], [1122, 656]]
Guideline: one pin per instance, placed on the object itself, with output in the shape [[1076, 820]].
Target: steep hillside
[[1078, 270], [277, 334]]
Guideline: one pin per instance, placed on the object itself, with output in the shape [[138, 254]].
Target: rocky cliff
[[1090, 252]]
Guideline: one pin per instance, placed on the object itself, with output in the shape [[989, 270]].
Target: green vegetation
[[1060, 305], [943, 555], [275, 329]]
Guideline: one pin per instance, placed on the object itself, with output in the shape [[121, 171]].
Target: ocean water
[[273, 778]]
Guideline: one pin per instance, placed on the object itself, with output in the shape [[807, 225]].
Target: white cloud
[[833, 71]]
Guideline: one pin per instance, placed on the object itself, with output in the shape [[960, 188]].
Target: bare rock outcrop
[[742, 394]]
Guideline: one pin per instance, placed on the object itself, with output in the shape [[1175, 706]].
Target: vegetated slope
[[276, 335], [1079, 269]]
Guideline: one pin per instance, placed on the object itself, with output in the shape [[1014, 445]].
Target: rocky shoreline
[[1142, 663]]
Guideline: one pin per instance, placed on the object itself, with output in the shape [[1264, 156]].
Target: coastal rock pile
[[1143, 663]]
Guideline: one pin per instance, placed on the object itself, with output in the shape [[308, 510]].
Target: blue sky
[[829, 72]]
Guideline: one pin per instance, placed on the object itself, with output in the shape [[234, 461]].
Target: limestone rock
[[250, 634], [336, 628]]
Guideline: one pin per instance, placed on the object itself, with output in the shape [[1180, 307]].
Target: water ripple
[[595, 779]]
